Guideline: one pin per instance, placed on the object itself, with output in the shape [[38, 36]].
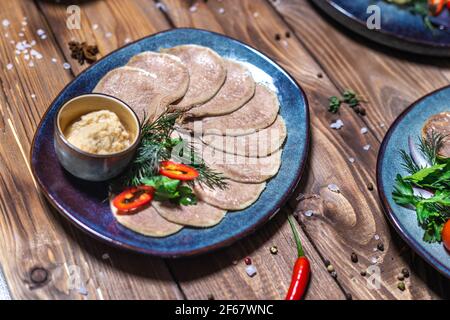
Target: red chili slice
[[177, 171], [133, 198], [436, 6]]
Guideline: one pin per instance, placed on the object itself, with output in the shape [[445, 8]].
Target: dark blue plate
[[83, 203], [410, 123], [400, 28]]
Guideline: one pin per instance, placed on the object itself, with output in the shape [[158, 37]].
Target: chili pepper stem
[[300, 251]]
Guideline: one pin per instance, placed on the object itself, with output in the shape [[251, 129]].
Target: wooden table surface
[[42, 256]]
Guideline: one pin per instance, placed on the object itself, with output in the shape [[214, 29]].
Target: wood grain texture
[[355, 210], [32, 234], [206, 277], [390, 81]]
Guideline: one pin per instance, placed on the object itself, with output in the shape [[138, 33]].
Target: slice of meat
[[238, 89], [439, 124], [207, 72], [237, 196], [135, 87], [147, 222], [170, 74], [201, 215], [243, 169], [259, 113], [259, 144]]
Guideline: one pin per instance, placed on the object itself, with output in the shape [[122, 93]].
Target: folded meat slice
[[201, 215], [171, 75], [259, 113], [238, 89], [135, 87], [237, 196], [207, 74], [259, 144], [147, 222], [243, 169], [439, 124]]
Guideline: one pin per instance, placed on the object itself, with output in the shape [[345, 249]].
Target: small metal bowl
[[88, 166]]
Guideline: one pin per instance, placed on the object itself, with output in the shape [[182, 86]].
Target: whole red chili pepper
[[300, 276]]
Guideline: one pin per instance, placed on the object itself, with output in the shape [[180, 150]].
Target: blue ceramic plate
[[410, 123], [83, 202], [400, 28]]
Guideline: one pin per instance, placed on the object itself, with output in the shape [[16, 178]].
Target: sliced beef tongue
[[259, 144], [238, 89], [259, 113], [147, 222], [207, 74], [170, 74], [135, 87], [201, 215], [237, 196]]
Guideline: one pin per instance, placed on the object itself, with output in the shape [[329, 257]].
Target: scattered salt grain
[[256, 14], [337, 125], [251, 270], [105, 256], [127, 40], [7, 35], [193, 8], [351, 160], [221, 10], [334, 188], [36, 54], [94, 26], [366, 147], [40, 32], [26, 57], [374, 260], [308, 213], [9, 66], [161, 6], [364, 130], [44, 36], [382, 125], [33, 96], [21, 34], [376, 237], [66, 66], [6, 23], [31, 64], [108, 34], [54, 60], [24, 23]]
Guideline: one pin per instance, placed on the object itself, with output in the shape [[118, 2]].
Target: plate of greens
[[417, 26], [413, 176]]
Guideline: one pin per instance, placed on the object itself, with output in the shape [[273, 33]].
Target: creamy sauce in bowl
[[99, 132]]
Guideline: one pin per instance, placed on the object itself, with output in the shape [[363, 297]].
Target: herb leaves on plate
[[426, 188]]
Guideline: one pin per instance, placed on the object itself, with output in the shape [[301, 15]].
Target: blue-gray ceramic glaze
[[400, 28], [410, 123], [83, 202]]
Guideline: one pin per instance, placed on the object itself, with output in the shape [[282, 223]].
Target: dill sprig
[[157, 145], [431, 145], [408, 163]]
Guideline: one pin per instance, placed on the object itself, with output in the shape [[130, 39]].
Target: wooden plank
[[33, 235], [390, 81], [353, 217], [207, 278]]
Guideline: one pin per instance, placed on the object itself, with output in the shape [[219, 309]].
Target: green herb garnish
[[433, 211]]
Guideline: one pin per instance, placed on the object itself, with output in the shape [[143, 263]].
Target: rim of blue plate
[[415, 45], [389, 212], [184, 253]]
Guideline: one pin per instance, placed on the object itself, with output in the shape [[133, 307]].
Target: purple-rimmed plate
[[410, 123], [83, 202]]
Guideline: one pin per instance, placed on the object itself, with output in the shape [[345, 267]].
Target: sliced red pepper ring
[[177, 171], [133, 198], [436, 6]]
